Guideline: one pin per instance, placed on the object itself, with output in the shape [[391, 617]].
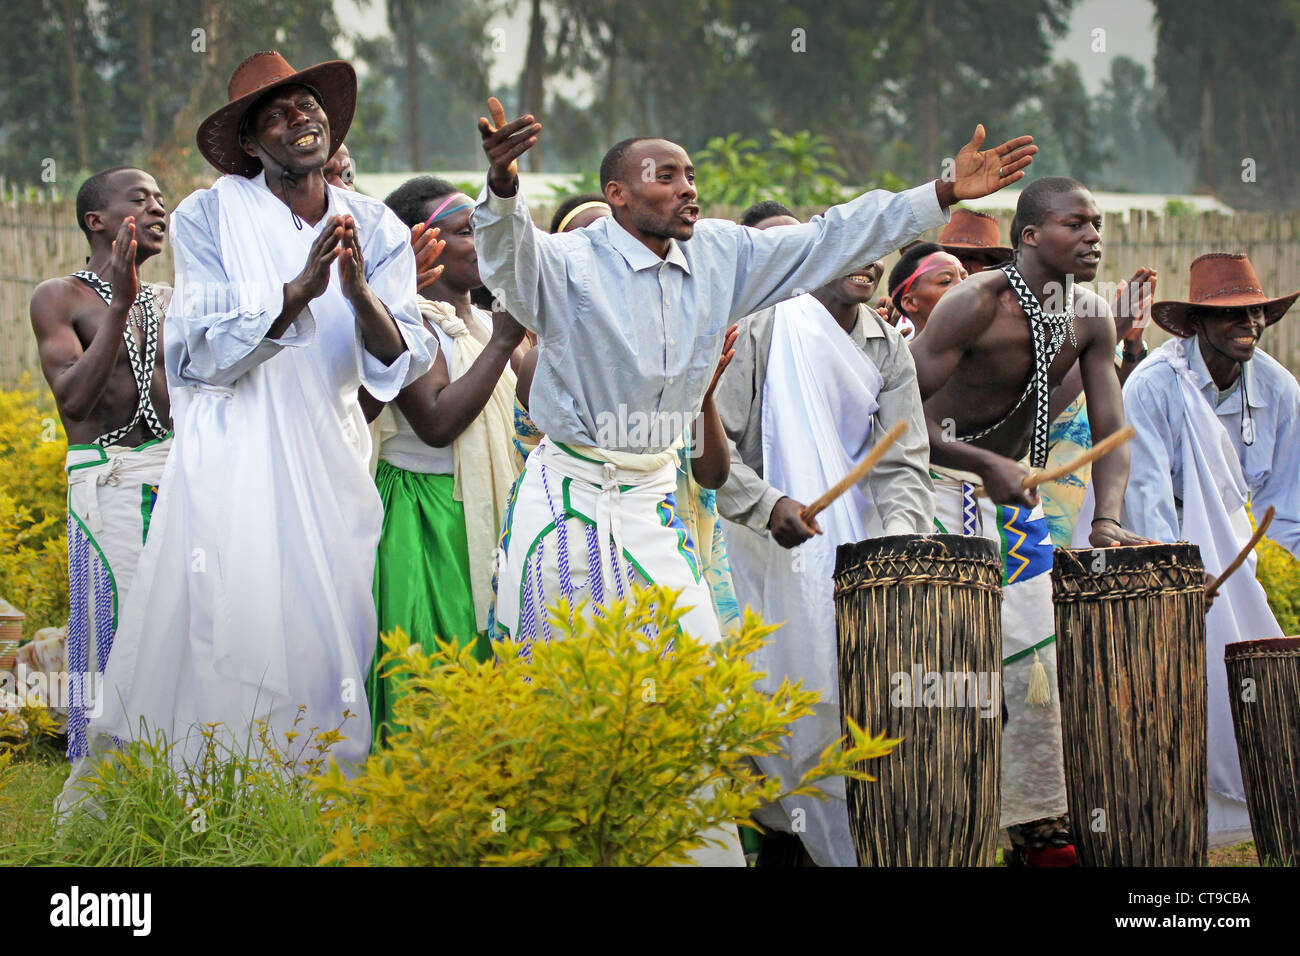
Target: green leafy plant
[[252, 805], [620, 744]]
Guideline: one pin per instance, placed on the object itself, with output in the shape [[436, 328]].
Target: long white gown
[[254, 591]]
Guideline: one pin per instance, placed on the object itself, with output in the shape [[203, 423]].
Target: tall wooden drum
[[1264, 687], [920, 650], [1130, 652]]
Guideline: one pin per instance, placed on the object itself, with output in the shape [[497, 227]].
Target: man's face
[[931, 286], [133, 193], [339, 170], [858, 286], [1232, 332], [657, 194], [1069, 240], [458, 259], [289, 131]]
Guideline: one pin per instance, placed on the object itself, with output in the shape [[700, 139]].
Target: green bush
[[255, 806], [33, 508], [618, 745]]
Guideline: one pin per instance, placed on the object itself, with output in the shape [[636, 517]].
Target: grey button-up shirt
[[900, 485], [631, 341]]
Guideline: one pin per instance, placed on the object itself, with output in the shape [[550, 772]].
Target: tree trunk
[[927, 99], [74, 82], [1206, 178], [532, 81], [412, 58], [144, 61]]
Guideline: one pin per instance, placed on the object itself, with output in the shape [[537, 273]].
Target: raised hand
[[315, 275], [728, 353], [427, 248], [1133, 304], [504, 143], [122, 275], [977, 173]]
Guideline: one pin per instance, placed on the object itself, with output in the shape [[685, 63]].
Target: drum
[[920, 652], [1130, 628], [1264, 687]]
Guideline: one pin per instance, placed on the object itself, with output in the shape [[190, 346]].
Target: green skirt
[[422, 582]]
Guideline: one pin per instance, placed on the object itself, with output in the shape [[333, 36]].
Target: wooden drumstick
[[1103, 447], [859, 471], [1240, 559]]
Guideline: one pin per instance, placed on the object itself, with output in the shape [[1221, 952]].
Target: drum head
[[917, 547], [1266, 647]]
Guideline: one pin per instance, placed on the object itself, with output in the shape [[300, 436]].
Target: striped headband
[[580, 208], [438, 213], [925, 265]]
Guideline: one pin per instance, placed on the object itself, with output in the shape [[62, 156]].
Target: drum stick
[[1240, 559], [859, 471], [1103, 447]]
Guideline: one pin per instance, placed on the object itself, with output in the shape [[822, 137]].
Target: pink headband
[[437, 212], [922, 267]]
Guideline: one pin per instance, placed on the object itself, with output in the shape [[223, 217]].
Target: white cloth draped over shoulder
[[1207, 476], [818, 401], [254, 589]]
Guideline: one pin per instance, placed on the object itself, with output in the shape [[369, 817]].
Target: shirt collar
[[330, 204], [638, 256], [1205, 381]]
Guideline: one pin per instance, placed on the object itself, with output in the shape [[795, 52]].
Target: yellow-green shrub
[[617, 745], [1279, 573], [33, 507]]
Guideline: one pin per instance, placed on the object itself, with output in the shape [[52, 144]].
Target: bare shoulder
[[54, 301], [969, 307], [1093, 317]]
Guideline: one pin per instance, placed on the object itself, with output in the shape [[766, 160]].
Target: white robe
[[818, 400], [1213, 517], [253, 594]]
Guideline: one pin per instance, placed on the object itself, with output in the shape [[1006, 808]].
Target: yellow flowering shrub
[[618, 745], [33, 507], [1279, 573]]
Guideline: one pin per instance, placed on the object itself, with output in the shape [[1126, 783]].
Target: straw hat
[[970, 232], [218, 136], [1219, 280]]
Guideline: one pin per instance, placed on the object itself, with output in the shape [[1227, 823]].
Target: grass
[[26, 802], [224, 807]]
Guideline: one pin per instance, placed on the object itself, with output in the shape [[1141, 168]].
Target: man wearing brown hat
[[290, 296], [1218, 424], [973, 238]]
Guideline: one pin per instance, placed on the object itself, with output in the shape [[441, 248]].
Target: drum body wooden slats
[[1264, 687], [909, 607], [1130, 652]]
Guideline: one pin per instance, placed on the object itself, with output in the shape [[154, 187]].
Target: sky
[[1128, 28]]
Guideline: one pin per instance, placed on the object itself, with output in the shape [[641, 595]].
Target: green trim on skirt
[[422, 582]]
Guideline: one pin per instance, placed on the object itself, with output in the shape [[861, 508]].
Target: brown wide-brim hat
[[218, 136], [1219, 280], [969, 232]]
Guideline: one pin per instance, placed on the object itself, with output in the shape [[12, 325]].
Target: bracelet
[[1128, 357], [1113, 520]]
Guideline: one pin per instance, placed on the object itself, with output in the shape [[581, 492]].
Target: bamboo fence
[[41, 239]]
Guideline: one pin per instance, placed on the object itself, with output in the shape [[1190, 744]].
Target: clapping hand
[[427, 248], [1133, 304]]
